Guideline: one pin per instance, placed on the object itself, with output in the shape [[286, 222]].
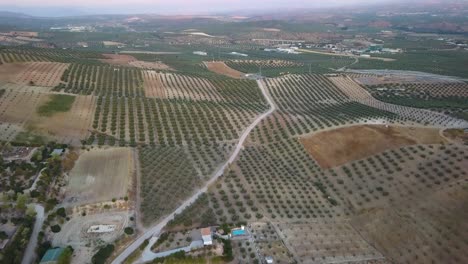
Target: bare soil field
[[153, 85], [37, 73], [118, 59], [68, 127], [128, 60], [100, 175], [430, 227], [339, 146], [220, 67]]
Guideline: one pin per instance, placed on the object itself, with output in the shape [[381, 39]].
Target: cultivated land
[[70, 126], [46, 74], [100, 175], [221, 68], [339, 146], [320, 162]]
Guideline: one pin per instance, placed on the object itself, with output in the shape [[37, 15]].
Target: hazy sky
[[179, 6]]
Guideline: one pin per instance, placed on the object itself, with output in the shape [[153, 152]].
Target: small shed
[[269, 259], [207, 236], [52, 256], [57, 152]]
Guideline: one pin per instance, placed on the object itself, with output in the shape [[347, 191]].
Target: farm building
[[206, 236], [57, 152], [52, 256]]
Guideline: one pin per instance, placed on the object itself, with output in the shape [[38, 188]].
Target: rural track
[[30, 252], [156, 229]]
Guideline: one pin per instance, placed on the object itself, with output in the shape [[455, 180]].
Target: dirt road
[[156, 229], [30, 252]]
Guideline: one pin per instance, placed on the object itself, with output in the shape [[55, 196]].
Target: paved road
[[149, 255], [30, 252], [156, 229]]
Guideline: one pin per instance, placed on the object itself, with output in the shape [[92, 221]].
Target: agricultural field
[[327, 157], [100, 175], [53, 121], [268, 68], [337, 147], [220, 67], [46, 74], [14, 119], [422, 95], [128, 60], [422, 116]]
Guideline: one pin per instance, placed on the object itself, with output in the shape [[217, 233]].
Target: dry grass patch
[[339, 146], [220, 67], [100, 175]]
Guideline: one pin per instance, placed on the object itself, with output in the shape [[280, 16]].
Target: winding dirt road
[[156, 229]]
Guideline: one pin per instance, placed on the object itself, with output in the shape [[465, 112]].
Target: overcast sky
[[179, 6]]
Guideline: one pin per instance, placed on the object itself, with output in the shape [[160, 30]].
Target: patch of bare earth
[[128, 60], [100, 175], [426, 228], [339, 146], [118, 59], [220, 67]]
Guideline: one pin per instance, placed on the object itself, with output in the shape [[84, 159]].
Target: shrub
[[128, 231], [103, 254], [55, 228]]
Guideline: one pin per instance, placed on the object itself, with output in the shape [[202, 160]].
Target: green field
[[58, 103]]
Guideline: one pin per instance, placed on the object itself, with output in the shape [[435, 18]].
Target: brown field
[[337, 147], [153, 85], [117, 59], [128, 60], [100, 175], [430, 227], [40, 73], [17, 106], [221, 68], [59, 127]]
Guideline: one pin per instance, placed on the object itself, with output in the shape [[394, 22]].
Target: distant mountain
[[44, 11], [8, 14]]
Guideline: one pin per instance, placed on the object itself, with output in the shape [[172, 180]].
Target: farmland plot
[[17, 105], [311, 102], [220, 67], [327, 242], [426, 117], [46, 74], [42, 73], [339, 146], [425, 228], [100, 175], [422, 95], [68, 127], [128, 60]]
